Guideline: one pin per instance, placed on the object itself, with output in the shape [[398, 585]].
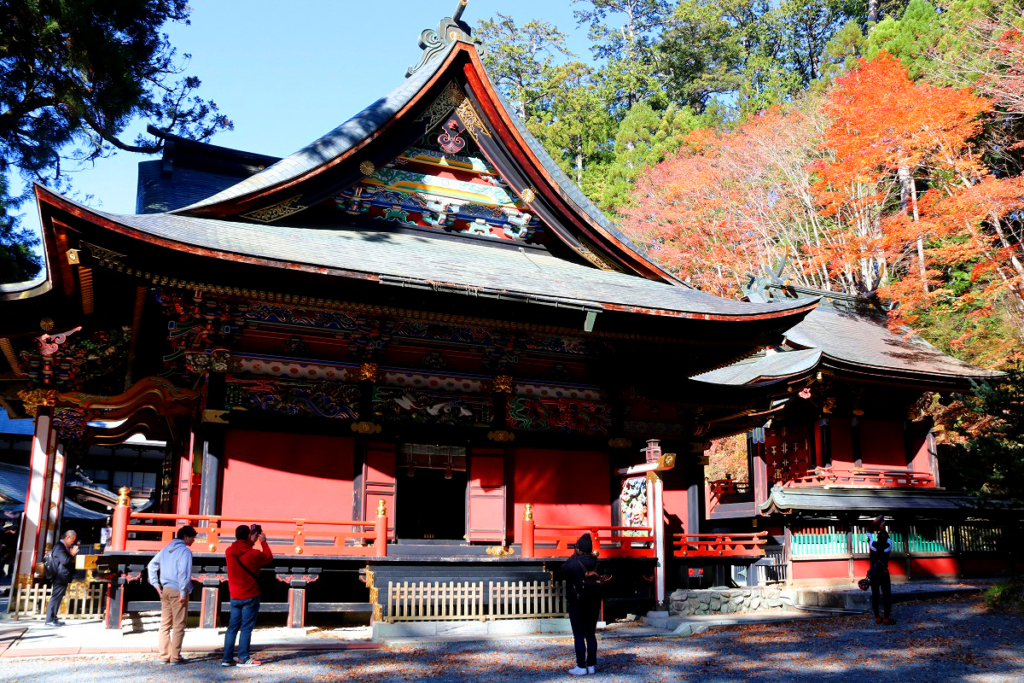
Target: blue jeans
[[243, 616]]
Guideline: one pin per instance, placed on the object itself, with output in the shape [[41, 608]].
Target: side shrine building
[[426, 363]]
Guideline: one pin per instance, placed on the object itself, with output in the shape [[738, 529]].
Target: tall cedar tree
[[73, 75], [991, 462]]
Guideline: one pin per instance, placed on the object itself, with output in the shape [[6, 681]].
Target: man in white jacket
[[170, 572]]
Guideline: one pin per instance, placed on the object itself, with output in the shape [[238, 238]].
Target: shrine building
[[422, 359]]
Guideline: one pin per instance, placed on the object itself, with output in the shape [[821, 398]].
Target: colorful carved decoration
[[431, 407], [333, 400], [345, 321], [449, 139], [370, 338], [48, 344], [34, 399], [69, 365], [280, 367], [619, 442], [633, 503], [656, 428], [570, 417], [504, 352], [433, 360], [197, 324], [70, 423]]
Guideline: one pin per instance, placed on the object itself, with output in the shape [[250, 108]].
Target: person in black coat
[[62, 564], [583, 593]]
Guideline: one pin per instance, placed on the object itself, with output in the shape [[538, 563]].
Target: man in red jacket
[[244, 564]]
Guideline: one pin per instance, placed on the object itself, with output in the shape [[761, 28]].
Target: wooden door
[[485, 509], [379, 482]]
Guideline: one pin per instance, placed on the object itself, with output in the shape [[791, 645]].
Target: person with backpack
[[170, 573], [60, 568], [879, 549], [583, 590], [244, 564]]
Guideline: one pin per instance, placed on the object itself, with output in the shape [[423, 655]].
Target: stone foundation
[[684, 603]]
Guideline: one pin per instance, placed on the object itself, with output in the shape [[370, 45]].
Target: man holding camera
[[62, 567], [244, 564]]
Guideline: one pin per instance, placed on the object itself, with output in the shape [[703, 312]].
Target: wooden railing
[[720, 545], [609, 541], [285, 536], [828, 476], [293, 536]]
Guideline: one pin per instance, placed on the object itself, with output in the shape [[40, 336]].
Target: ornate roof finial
[[449, 30]]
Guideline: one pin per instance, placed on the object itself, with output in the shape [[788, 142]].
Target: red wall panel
[[897, 567], [984, 566], [565, 487], [820, 569], [841, 442], [882, 443], [922, 461], [280, 475], [933, 566]]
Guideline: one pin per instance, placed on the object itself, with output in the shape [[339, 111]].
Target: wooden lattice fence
[[462, 600], [83, 600]]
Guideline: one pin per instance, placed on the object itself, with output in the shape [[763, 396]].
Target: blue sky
[[288, 72]]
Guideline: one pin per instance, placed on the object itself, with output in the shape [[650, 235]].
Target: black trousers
[[881, 582], [583, 619], [53, 607]]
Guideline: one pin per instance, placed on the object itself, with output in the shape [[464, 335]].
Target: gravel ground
[[949, 640]]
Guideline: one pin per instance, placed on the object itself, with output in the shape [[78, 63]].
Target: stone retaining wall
[[725, 601]]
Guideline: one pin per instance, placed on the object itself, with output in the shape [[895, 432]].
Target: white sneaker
[[578, 671], [590, 670]]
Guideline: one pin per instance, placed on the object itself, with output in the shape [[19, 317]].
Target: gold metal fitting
[[619, 442], [528, 511], [501, 435], [369, 371], [212, 547], [366, 427], [46, 324], [122, 499], [529, 195], [298, 550], [502, 384], [367, 168], [73, 258], [382, 508]]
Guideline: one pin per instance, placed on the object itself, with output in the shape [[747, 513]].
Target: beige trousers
[[173, 613]]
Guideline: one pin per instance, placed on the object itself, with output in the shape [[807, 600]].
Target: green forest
[[873, 148]]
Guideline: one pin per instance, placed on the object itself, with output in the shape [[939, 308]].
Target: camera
[[256, 529]]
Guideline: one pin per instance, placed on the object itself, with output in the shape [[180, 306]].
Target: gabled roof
[[452, 80], [827, 501]]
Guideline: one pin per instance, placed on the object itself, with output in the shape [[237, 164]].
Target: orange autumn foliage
[[878, 188]]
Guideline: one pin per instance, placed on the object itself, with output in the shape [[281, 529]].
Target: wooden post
[[115, 603], [210, 605], [119, 524], [297, 598], [529, 528], [656, 519], [380, 543]]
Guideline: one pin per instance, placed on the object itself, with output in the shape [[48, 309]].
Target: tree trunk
[[908, 190]]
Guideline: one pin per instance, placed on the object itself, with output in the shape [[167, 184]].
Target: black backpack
[[593, 586], [48, 571]]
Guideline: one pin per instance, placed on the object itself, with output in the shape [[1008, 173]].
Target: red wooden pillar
[[380, 542], [119, 523], [529, 528], [297, 598]]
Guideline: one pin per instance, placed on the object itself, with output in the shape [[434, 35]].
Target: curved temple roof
[[407, 259]]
